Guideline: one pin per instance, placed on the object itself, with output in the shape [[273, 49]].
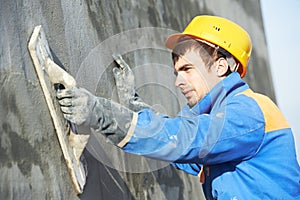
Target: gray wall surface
[[82, 36]]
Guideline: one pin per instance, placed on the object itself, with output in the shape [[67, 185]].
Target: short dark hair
[[208, 53]]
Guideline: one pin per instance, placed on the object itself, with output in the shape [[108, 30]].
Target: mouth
[[187, 93]]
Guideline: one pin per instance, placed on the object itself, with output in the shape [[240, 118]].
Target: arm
[[234, 132]]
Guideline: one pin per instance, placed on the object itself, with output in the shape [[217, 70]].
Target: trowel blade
[[49, 73]]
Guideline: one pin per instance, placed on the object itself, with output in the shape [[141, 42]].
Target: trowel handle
[[73, 127]]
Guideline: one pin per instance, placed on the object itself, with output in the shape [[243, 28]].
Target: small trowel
[[51, 77]]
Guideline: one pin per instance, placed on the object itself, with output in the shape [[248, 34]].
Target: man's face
[[192, 77]]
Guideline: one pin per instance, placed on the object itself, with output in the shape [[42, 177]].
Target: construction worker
[[236, 140]]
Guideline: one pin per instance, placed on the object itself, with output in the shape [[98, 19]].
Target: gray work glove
[[81, 107], [125, 86]]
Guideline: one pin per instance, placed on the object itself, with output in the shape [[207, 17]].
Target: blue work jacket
[[237, 139]]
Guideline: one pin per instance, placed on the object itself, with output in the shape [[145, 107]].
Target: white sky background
[[282, 27]]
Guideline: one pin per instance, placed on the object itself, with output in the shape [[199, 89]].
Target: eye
[[184, 68], [187, 68]]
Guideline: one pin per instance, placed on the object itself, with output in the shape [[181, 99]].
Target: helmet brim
[[173, 39]]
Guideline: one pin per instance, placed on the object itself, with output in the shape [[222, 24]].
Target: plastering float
[[51, 75]]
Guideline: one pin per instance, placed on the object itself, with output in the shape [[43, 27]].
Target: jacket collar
[[229, 86]]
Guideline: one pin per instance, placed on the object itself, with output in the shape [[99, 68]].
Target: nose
[[179, 80]]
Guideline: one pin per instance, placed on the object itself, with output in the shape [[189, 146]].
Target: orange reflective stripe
[[274, 119], [203, 173]]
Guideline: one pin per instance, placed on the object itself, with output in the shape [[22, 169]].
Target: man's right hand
[[77, 105]]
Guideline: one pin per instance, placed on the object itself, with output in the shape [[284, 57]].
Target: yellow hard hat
[[221, 32]]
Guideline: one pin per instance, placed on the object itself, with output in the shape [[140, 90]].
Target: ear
[[221, 67]]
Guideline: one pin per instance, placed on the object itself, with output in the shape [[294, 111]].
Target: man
[[236, 140]]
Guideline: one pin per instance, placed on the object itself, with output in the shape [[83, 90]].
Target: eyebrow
[[182, 68]]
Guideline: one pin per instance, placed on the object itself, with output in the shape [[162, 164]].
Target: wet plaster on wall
[[26, 155]]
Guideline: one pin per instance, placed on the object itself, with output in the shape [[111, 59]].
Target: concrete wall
[[82, 36]]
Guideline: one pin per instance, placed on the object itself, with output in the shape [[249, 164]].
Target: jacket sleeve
[[234, 131]]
